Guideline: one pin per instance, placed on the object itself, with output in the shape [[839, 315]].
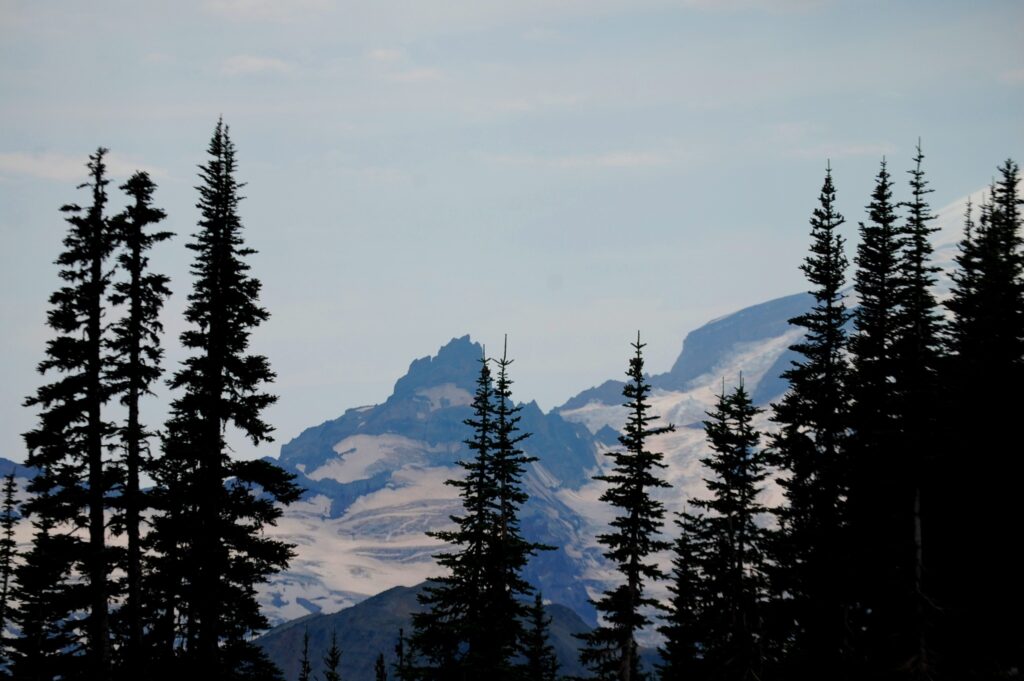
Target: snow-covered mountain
[[376, 475]]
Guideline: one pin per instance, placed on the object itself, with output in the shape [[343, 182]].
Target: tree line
[[891, 556]]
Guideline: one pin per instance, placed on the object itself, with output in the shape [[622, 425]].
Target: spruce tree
[[401, 665], [733, 552], [305, 668], [72, 488], [879, 537], [684, 636], [610, 650], [507, 551], [135, 366], [450, 626], [917, 349], [48, 646], [982, 595], [332, 660], [540, 661], [380, 670], [809, 448], [8, 549], [214, 509]]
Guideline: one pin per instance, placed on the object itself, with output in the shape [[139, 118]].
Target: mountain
[[371, 627], [375, 481], [375, 476]]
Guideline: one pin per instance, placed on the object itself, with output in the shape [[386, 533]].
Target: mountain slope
[[371, 628]]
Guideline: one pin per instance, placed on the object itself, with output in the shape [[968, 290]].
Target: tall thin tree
[[507, 551], [8, 548], [981, 592], [135, 365], [878, 537], [918, 353], [540, 662], [733, 542], [305, 667], [68, 445], [810, 450], [449, 629], [214, 508], [610, 650], [683, 627], [332, 660]]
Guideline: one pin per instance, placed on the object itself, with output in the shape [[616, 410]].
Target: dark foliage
[[610, 650]]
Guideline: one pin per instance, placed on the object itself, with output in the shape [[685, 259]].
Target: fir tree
[[332, 660], [71, 490], [878, 481], [451, 624], [610, 650], [682, 650], [733, 543], [401, 664], [305, 668], [982, 595], [917, 350], [8, 548], [810, 450], [48, 646], [136, 355], [507, 552], [541, 663], [213, 509], [380, 670]]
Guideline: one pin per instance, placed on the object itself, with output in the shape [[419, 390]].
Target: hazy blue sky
[[566, 172]]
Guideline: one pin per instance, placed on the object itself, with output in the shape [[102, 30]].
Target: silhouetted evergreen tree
[[380, 670], [213, 510], [507, 551], [401, 665], [540, 661], [71, 490], [305, 668], [733, 542], [453, 617], [610, 650], [917, 349], [682, 650], [810, 579], [49, 646], [8, 551], [135, 366], [332, 660], [982, 594], [879, 537]]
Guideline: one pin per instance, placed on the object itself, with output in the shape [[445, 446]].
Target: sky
[[564, 172]]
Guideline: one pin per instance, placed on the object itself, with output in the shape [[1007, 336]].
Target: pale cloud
[[1013, 76], [67, 168], [386, 55], [247, 65], [266, 10]]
